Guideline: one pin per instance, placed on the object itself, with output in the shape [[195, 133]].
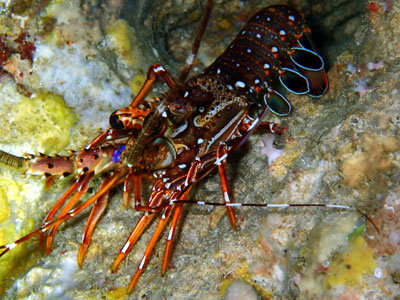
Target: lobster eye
[[115, 121]]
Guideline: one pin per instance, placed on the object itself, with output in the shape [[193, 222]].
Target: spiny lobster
[[182, 136]]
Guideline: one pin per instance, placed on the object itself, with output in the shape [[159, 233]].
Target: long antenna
[[196, 44]]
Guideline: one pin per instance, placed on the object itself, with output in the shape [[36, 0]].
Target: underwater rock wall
[[81, 60]]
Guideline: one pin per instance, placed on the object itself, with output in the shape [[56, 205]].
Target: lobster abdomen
[[268, 49]]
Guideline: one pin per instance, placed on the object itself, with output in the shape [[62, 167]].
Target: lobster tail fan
[[311, 65], [306, 42], [318, 82], [307, 59], [294, 82], [277, 103]]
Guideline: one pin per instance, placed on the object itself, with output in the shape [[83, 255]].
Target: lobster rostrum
[[180, 137]]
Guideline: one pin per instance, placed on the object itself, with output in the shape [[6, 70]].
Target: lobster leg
[[81, 191], [269, 127], [76, 186], [137, 186], [150, 247], [97, 211], [109, 135], [72, 213], [141, 225], [171, 232], [154, 71], [222, 154]]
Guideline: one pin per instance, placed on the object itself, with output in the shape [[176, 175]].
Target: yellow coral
[[118, 293], [348, 268]]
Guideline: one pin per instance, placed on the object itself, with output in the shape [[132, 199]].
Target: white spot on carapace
[[268, 19], [186, 94], [291, 18], [257, 81], [181, 166], [266, 66], [244, 32], [248, 50], [274, 49], [229, 86], [240, 84], [200, 140], [218, 70], [282, 32], [258, 35]]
